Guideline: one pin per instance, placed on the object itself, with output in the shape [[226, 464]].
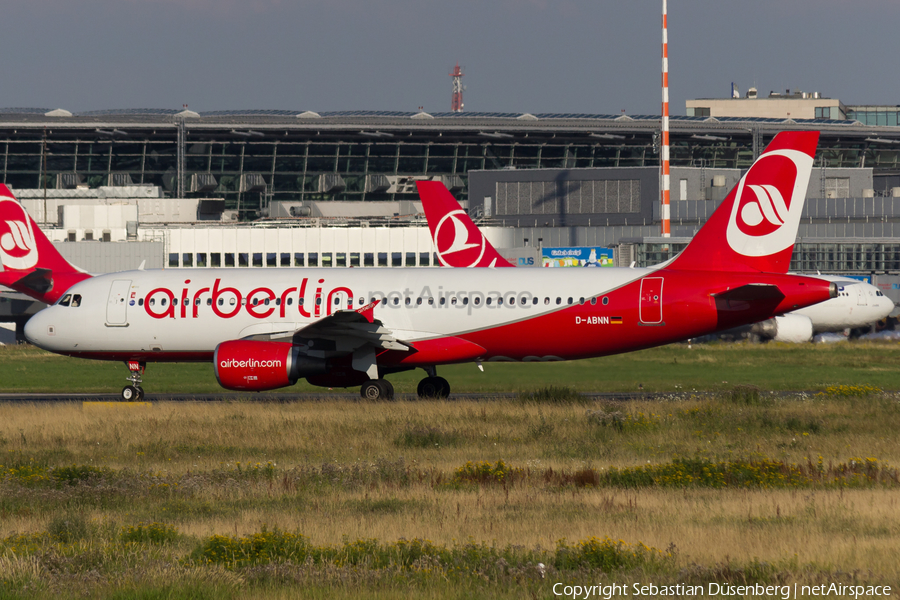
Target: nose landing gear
[[134, 392]]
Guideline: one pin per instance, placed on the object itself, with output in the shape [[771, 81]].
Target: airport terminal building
[[273, 188]]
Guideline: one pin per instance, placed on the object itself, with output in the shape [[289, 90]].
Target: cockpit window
[[66, 299], [76, 300]]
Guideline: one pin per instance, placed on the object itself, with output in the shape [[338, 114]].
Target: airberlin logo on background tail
[[768, 203], [17, 246], [458, 244]]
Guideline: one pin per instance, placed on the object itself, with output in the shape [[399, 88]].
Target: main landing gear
[[433, 386], [430, 387], [377, 389], [134, 392]]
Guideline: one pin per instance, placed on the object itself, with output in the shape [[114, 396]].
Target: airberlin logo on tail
[[453, 236], [768, 203], [17, 246]]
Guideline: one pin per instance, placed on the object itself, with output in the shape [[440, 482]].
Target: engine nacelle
[[257, 366], [786, 328]]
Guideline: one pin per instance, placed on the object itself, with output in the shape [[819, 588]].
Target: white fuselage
[[181, 313], [858, 304]]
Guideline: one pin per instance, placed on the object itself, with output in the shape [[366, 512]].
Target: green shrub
[[153, 533], [606, 555], [77, 473], [427, 437], [258, 548], [553, 395], [68, 528]]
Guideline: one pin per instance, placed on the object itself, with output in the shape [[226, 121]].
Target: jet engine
[[257, 366], [786, 328]]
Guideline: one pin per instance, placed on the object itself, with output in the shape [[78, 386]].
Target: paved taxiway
[[314, 397]]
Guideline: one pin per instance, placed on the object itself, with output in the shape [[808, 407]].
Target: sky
[[591, 56]]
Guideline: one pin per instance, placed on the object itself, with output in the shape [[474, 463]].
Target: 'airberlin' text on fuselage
[[263, 302]]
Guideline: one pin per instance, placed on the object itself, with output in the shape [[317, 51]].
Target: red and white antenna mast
[[456, 102], [664, 142]]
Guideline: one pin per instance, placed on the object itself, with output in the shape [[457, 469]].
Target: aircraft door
[[117, 305], [861, 299], [651, 301]]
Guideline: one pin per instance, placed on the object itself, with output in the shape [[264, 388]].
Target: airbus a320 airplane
[[267, 328]]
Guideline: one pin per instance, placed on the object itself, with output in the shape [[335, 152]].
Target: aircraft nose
[[39, 328]]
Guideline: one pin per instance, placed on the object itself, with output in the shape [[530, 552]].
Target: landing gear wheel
[[377, 389], [433, 387], [130, 393]]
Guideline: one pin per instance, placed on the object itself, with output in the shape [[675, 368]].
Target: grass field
[[675, 367], [488, 498]]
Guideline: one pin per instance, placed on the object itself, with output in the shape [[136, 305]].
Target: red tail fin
[[30, 264], [458, 241], [755, 227]]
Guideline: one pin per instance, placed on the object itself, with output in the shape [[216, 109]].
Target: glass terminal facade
[[250, 158]]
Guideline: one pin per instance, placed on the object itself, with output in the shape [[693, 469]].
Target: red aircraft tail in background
[[760, 217], [458, 241], [30, 263]]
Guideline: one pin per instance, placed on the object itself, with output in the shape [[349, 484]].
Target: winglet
[[458, 241], [29, 263], [368, 311], [755, 227]]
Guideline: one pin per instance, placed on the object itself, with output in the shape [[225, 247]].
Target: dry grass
[[347, 470]]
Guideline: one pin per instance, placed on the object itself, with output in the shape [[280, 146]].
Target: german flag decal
[[615, 320]]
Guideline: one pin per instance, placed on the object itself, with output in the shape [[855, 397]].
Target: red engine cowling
[[257, 366]]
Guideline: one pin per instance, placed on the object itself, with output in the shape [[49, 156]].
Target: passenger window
[[559, 300], [605, 301], [418, 301], [152, 301], [290, 301], [66, 300], [546, 300], [581, 301], [140, 301], [570, 300], [162, 302], [465, 301], [443, 301], [431, 301], [488, 301], [500, 301], [209, 301], [534, 301], [453, 300], [593, 301]]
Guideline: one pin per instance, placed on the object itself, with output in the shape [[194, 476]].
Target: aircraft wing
[[340, 333]]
